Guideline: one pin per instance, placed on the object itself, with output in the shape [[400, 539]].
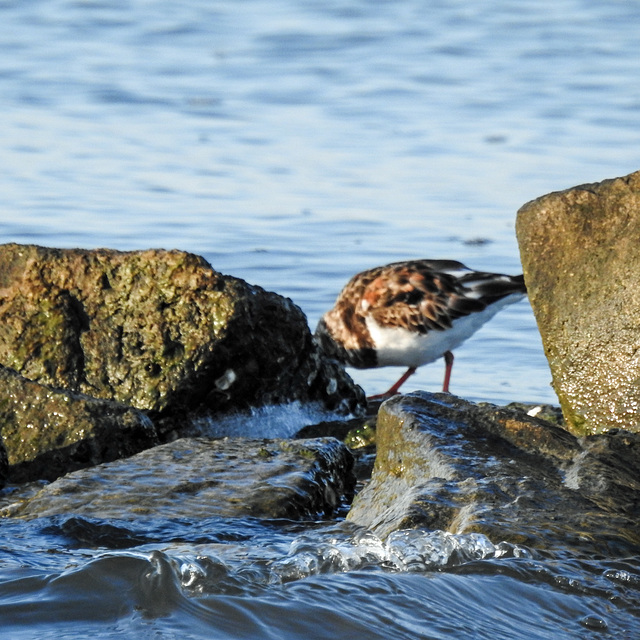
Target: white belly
[[399, 347]]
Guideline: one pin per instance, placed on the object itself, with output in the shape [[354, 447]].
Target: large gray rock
[[447, 464], [199, 478], [581, 264], [49, 432], [158, 330]]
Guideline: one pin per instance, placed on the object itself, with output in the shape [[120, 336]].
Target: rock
[[200, 478], [447, 464], [546, 412], [359, 434], [160, 331], [355, 433], [581, 263], [48, 432], [4, 465]]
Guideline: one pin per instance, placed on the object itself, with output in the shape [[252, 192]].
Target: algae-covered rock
[[444, 463], [581, 262], [359, 434], [48, 432], [4, 465], [200, 478], [158, 330]]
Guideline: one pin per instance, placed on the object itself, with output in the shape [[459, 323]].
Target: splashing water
[[273, 421]]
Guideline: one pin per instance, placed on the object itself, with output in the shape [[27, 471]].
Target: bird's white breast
[[396, 346]]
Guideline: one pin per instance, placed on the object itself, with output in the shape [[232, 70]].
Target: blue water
[[293, 143]]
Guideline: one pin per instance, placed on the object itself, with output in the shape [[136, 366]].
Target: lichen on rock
[[157, 330], [153, 331], [48, 432], [579, 251]]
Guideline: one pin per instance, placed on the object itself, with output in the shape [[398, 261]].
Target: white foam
[[272, 421], [404, 550]]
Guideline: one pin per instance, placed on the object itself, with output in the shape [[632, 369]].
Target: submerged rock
[[444, 463], [158, 330], [581, 264], [200, 478], [49, 432]]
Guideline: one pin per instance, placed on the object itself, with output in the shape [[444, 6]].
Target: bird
[[411, 313]]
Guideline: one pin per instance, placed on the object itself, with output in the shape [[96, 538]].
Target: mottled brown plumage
[[411, 313]]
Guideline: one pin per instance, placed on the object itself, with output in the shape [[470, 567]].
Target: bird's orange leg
[[396, 387], [448, 362]]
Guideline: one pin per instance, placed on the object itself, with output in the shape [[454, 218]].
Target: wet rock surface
[[200, 478], [579, 251], [359, 434], [158, 330], [447, 464], [115, 353], [100, 336], [48, 432], [4, 465]]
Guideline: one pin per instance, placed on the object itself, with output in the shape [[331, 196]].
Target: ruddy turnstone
[[412, 313]]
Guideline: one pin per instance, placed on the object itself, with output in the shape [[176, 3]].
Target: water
[[293, 144], [246, 579]]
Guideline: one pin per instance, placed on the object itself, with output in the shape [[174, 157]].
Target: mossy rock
[[581, 262], [160, 331], [48, 432]]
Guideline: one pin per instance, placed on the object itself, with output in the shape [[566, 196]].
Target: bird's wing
[[419, 296]]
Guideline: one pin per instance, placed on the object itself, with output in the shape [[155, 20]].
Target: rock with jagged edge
[[448, 464]]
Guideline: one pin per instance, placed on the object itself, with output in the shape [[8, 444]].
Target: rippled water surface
[[293, 144], [246, 579]]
